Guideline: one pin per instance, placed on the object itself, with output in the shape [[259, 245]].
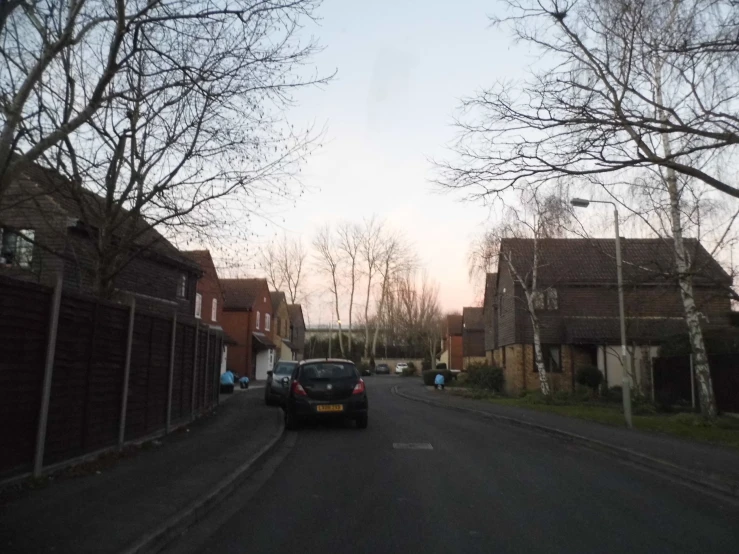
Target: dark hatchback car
[[382, 369], [326, 388]]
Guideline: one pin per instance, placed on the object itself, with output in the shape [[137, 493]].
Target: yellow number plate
[[330, 408]]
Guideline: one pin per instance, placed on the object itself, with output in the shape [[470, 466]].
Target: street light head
[[580, 202]]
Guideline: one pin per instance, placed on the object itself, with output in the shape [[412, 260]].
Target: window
[[16, 247], [182, 286], [551, 355], [266, 322], [198, 304], [259, 316], [545, 300], [214, 310]]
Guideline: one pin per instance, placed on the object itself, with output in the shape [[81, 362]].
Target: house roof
[[600, 330], [84, 205], [473, 319], [594, 260], [491, 287], [296, 314], [454, 324], [278, 297], [241, 294]]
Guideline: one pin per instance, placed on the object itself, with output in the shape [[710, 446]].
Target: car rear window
[[326, 371], [284, 369]]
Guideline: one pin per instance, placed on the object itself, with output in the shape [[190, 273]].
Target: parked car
[[400, 366], [324, 388], [382, 369], [275, 390]]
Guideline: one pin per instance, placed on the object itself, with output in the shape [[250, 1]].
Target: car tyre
[[362, 421], [291, 422]]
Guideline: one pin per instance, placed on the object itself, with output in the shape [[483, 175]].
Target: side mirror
[[270, 373]]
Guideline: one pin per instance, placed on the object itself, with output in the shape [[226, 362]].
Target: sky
[[402, 68]]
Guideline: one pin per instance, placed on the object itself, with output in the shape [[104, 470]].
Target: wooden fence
[[79, 375]]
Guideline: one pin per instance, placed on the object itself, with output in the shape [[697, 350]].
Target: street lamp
[[626, 360]]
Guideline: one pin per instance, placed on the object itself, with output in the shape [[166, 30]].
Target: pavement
[[426, 480], [132, 504], [712, 466]]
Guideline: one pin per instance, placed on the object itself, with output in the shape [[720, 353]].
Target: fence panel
[[156, 403], [69, 383], [725, 374], [24, 322], [138, 380]]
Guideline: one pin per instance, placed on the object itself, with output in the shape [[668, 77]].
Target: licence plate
[[330, 408]]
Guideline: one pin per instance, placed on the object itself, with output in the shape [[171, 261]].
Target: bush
[[409, 372], [412, 366], [441, 366], [589, 376], [429, 376], [483, 376], [615, 394], [363, 368]]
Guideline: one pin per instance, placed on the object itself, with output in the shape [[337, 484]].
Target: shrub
[[412, 366], [615, 394], [409, 371], [363, 368], [483, 376], [441, 366], [429, 376], [589, 376]]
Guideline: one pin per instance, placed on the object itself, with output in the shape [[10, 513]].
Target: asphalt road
[[482, 487]]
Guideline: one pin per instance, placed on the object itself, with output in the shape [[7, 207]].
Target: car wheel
[[291, 422], [362, 421]]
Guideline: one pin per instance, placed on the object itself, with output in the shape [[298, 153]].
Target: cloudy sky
[[402, 67]]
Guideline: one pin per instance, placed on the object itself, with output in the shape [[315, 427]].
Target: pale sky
[[402, 68]]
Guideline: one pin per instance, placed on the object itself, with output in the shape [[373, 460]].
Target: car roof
[[314, 360], [288, 362]]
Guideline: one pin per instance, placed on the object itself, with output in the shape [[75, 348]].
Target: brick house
[[297, 330], [281, 326], [209, 297], [453, 342], [489, 304], [473, 336], [247, 320], [49, 227], [578, 307]]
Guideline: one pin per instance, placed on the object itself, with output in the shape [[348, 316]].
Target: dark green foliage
[[589, 376], [484, 376]]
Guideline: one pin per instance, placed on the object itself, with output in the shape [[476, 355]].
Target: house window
[[198, 304], [266, 322], [552, 357], [214, 310], [17, 247], [545, 300], [182, 286], [259, 316]]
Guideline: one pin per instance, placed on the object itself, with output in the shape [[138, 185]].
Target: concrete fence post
[[126, 374], [194, 370], [206, 367], [56, 300], [171, 373]]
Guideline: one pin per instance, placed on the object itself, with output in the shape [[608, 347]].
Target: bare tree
[[370, 251], [283, 261], [538, 217], [190, 130], [328, 261], [349, 243], [59, 61]]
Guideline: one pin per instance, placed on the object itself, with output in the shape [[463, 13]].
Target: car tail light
[[298, 389], [359, 387]]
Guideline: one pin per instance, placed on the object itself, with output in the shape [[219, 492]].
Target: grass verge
[[724, 430]]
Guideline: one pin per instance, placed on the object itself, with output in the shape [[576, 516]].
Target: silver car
[[276, 388]]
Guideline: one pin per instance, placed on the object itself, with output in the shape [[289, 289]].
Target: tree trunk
[[383, 293], [538, 358], [685, 279], [366, 316]]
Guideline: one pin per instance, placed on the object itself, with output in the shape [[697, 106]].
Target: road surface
[[422, 479]]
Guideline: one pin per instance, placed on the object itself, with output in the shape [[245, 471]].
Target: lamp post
[[626, 360]]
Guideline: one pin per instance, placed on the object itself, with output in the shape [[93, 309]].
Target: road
[[481, 487]]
